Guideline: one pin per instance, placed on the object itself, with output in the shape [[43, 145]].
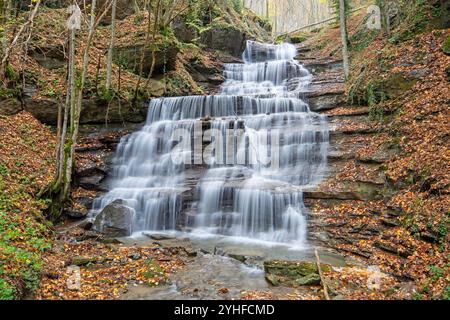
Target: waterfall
[[250, 184]]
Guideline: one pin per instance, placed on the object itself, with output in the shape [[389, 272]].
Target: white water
[[250, 200]]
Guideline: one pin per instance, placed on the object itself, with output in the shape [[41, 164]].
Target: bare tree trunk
[[76, 108], [111, 45], [344, 37]]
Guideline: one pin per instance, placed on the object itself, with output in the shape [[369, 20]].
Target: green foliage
[[7, 291], [446, 46]]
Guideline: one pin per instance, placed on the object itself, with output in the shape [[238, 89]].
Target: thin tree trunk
[[75, 115], [344, 37], [111, 45]]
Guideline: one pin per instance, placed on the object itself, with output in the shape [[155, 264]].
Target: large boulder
[[226, 38], [115, 220]]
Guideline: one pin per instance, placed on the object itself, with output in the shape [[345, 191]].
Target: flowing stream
[[230, 165]]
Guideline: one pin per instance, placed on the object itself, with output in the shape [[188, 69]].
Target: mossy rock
[[446, 46], [293, 268], [312, 279]]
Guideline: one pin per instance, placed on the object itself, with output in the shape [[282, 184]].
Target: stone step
[[346, 190]]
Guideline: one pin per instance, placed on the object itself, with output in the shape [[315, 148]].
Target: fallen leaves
[[106, 272]]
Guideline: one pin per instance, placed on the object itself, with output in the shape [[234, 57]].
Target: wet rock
[[309, 280], [219, 251], [115, 220], [82, 261], [321, 66]]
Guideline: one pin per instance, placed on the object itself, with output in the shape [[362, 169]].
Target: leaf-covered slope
[[26, 166]]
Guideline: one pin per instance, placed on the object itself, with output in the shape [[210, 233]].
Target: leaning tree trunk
[[344, 37]]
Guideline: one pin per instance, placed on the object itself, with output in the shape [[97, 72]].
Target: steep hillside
[[395, 211]]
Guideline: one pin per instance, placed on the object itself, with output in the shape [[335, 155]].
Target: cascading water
[[241, 194]]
